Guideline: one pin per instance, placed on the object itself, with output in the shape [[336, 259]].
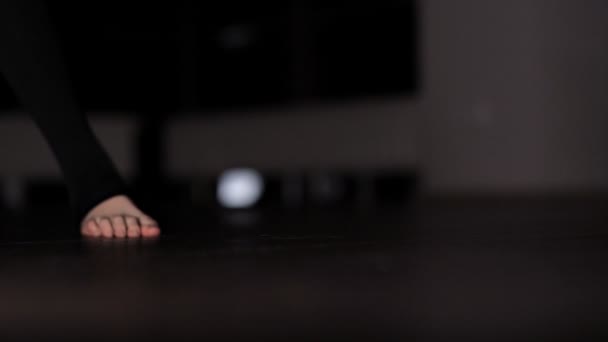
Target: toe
[[150, 231], [133, 228], [149, 227], [106, 227], [90, 228], [120, 228]]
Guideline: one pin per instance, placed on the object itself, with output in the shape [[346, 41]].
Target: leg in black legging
[[31, 61]]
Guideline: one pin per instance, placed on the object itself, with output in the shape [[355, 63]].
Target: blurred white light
[[240, 188]]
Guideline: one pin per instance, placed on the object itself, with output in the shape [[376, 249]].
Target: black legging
[[33, 65]]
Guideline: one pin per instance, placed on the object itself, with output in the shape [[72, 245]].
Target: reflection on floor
[[455, 269]]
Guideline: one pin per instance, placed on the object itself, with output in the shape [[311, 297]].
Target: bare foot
[[118, 217]]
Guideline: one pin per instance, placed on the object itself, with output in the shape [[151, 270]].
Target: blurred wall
[[363, 134], [513, 98], [516, 95]]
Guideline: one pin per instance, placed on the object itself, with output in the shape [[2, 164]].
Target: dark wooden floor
[[452, 269]]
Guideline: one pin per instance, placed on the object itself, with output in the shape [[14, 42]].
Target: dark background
[[154, 63], [207, 55]]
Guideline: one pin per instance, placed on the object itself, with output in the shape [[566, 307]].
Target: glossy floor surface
[[452, 269]]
